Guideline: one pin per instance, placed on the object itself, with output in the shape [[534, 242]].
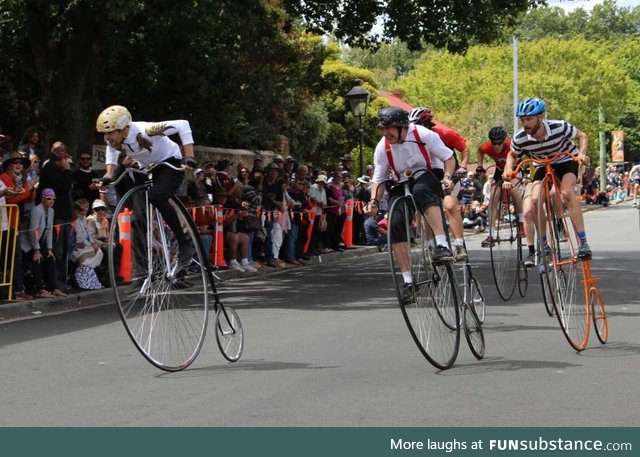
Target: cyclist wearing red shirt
[[454, 141], [498, 148]]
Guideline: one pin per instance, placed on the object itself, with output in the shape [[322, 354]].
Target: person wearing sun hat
[[98, 224], [19, 192]]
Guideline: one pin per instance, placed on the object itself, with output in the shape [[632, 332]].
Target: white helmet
[[115, 117]]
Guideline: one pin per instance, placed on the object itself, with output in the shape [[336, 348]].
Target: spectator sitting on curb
[[376, 235], [86, 252]]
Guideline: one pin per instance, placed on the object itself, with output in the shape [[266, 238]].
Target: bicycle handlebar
[[545, 162], [143, 171]]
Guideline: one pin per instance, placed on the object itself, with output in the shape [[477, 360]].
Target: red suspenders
[[423, 150]]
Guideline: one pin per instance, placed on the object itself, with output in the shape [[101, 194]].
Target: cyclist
[[454, 141], [409, 147], [540, 138], [498, 148], [147, 143]]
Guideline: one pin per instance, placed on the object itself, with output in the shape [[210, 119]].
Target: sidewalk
[[79, 299]]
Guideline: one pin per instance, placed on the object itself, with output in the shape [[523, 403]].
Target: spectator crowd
[[273, 214]]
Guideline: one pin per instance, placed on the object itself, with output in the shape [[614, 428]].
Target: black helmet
[[392, 116], [498, 133]]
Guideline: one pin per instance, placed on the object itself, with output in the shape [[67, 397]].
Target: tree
[[452, 25], [473, 92]]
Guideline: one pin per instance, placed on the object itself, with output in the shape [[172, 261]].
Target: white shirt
[[407, 155], [148, 142]]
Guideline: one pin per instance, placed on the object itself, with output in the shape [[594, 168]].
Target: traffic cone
[[124, 225], [217, 253], [347, 230]]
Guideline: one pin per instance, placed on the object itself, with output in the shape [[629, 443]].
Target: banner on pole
[[617, 146]]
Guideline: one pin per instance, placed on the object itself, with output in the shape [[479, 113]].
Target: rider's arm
[[583, 144], [111, 171], [465, 157], [511, 161], [449, 169], [480, 156]]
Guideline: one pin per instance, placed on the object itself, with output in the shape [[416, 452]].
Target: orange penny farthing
[[567, 276]]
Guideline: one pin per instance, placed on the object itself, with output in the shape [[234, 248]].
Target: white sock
[[441, 240], [244, 261], [459, 241], [406, 275]]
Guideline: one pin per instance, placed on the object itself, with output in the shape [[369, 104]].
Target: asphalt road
[[326, 346]]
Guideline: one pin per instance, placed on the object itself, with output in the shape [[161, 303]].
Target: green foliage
[[473, 93], [452, 24], [388, 62]]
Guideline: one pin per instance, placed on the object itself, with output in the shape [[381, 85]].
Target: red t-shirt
[[449, 137], [499, 157]]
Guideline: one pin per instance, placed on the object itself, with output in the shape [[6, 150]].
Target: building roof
[[395, 99]]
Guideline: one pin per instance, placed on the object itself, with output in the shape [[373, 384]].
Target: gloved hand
[[105, 181]]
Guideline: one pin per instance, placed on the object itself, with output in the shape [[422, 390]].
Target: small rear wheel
[[229, 333], [473, 332], [599, 315]]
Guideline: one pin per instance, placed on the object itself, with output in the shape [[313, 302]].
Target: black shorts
[[561, 169], [426, 191]]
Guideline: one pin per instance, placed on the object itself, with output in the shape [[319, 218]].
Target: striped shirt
[[558, 138]]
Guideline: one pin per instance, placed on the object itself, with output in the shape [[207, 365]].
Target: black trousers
[[166, 182]]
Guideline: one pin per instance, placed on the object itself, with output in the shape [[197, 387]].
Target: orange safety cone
[[312, 217], [124, 225], [217, 253], [347, 230]]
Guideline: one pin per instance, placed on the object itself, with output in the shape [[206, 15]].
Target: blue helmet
[[530, 107]]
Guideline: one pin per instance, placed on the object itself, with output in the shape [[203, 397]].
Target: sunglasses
[[85, 158], [50, 198], [497, 142]]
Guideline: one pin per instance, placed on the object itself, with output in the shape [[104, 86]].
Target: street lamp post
[[358, 98]]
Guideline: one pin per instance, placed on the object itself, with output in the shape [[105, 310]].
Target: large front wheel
[[163, 304], [431, 309], [563, 269], [505, 248]]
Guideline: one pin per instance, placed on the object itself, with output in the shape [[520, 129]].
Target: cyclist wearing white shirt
[[405, 147], [147, 143]]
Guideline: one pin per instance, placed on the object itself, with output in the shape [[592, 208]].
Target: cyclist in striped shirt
[[540, 138]]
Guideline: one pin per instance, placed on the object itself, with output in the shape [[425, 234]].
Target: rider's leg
[[493, 214], [517, 201], [452, 208], [165, 185], [567, 187], [529, 225]]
